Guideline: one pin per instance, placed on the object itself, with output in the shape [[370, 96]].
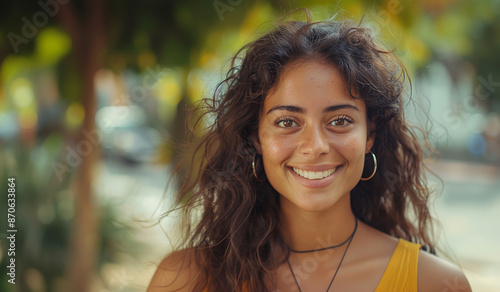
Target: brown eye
[[341, 122], [286, 123]]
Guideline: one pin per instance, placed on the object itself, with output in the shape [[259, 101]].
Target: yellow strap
[[401, 273]]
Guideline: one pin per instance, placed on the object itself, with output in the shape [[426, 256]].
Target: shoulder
[[436, 274], [433, 274], [177, 272]]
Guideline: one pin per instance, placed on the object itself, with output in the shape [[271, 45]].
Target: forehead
[[312, 85]]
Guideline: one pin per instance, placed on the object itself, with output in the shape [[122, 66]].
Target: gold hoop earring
[[253, 166], [374, 167]]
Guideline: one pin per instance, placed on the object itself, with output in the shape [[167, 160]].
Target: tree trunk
[[88, 37]]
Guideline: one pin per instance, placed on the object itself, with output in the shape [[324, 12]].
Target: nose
[[314, 141]]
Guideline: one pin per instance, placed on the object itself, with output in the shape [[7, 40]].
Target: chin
[[316, 202]]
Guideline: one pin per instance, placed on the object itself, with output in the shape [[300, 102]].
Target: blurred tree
[[84, 21], [119, 35]]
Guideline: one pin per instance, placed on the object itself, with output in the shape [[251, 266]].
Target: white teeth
[[314, 174]]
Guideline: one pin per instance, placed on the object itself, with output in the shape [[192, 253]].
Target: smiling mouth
[[314, 174]]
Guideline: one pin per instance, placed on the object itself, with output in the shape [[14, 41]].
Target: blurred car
[[125, 135]]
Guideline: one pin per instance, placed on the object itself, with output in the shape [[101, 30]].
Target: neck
[[307, 230]]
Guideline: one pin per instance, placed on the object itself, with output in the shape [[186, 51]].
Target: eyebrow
[[296, 109]]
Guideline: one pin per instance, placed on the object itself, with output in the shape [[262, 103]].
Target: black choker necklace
[[329, 247], [349, 239]]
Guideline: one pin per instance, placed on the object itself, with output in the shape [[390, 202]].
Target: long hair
[[231, 216]]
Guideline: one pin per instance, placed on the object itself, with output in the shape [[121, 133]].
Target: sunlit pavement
[[468, 209], [138, 194]]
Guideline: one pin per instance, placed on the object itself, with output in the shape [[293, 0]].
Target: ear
[[256, 143], [371, 137]]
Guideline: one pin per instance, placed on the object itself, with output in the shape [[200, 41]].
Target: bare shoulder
[[177, 272], [436, 274]]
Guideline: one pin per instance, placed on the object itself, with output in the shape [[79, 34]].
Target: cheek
[[275, 149], [352, 148]]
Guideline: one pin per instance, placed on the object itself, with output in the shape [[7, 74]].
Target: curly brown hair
[[232, 217]]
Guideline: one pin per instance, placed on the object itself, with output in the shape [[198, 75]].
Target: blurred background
[[93, 98]]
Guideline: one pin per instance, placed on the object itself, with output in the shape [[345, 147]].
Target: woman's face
[[313, 136]]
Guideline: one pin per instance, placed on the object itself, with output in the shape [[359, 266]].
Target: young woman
[[310, 178]]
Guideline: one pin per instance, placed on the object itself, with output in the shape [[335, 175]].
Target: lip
[[315, 183]]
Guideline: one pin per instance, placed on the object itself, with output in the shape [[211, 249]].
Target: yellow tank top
[[401, 272]]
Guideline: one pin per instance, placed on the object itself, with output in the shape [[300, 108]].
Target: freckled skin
[[313, 137]]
